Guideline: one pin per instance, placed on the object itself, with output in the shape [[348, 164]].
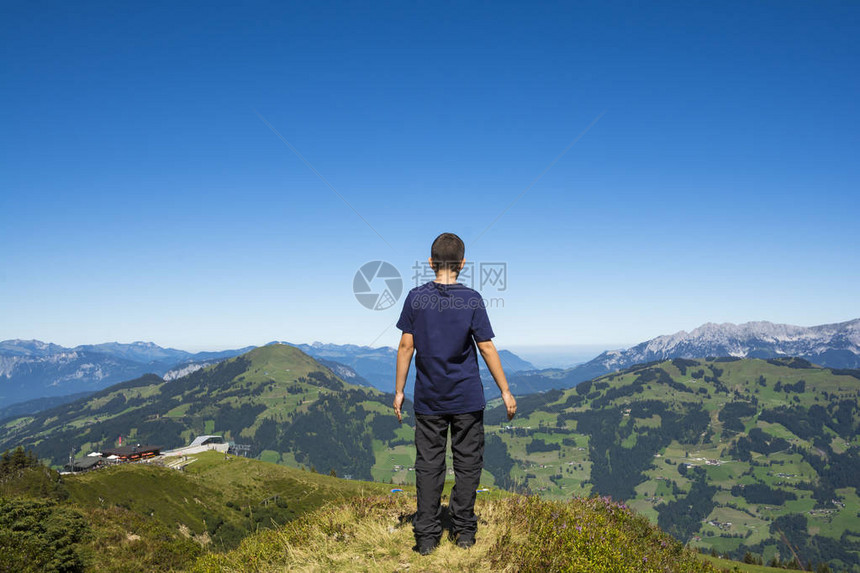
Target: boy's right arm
[[494, 364], [404, 357]]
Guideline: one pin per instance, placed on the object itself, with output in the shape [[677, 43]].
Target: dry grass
[[368, 534], [375, 535]]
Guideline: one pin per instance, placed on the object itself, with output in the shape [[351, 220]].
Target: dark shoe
[[465, 541], [426, 547]]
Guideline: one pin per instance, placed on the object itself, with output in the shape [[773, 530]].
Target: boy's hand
[[510, 404], [398, 403], [404, 356]]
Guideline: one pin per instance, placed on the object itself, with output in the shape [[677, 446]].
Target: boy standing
[[442, 321]]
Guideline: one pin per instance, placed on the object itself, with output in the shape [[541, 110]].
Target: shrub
[[40, 536]]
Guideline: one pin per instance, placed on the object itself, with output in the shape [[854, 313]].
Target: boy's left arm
[[404, 357], [494, 365]]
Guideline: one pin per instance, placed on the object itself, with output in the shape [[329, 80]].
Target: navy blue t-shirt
[[445, 322]]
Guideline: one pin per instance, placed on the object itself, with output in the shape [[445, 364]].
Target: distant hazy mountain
[[346, 373], [38, 404], [143, 352], [830, 345], [31, 369], [376, 365], [511, 362]]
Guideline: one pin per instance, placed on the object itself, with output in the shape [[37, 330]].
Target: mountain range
[[31, 369], [833, 345], [730, 454], [35, 375], [290, 408], [375, 366]]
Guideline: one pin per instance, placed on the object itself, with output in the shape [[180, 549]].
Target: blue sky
[[142, 197]]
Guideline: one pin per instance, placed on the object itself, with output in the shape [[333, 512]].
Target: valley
[[728, 455]]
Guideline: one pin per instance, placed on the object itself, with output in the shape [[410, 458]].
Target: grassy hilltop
[[151, 518], [515, 534]]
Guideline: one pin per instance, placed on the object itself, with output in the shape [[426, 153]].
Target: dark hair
[[447, 252]]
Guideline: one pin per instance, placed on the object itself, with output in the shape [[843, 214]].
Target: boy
[[441, 322]]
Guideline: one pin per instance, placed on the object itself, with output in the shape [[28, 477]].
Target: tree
[[12, 462]]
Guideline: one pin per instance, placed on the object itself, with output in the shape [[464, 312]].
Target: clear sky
[[145, 194]]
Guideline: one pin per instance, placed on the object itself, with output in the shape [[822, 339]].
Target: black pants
[[467, 445]]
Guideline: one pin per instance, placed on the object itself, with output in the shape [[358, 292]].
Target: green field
[[656, 465]]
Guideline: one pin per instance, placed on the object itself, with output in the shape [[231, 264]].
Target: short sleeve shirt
[[445, 322]]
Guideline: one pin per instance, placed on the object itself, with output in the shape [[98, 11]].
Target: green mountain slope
[[289, 407], [733, 455], [219, 497], [152, 517]]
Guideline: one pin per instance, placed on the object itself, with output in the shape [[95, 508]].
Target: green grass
[[842, 519], [166, 494], [248, 481], [732, 566], [222, 498]]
